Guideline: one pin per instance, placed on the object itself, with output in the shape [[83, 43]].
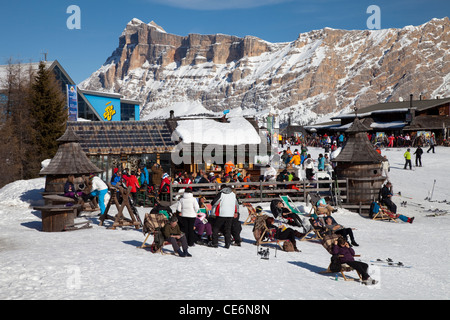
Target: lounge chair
[[262, 233], [252, 214], [153, 225], [380, 212], [327, 242], [290, 204]]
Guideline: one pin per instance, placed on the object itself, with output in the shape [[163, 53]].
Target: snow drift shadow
[[307, 266]]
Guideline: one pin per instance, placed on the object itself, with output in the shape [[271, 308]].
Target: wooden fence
[[336, 190], [266, 191]]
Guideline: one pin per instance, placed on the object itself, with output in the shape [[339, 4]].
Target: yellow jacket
[[407, 155], [296, 159]]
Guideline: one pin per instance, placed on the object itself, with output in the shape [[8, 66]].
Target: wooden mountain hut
[[70, 159], [360, 164]]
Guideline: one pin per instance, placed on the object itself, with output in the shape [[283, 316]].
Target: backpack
[[288, 246], [374, 208], [158, 241], [335, 265]]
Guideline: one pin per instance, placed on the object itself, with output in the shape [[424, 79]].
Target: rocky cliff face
[[321, 72]]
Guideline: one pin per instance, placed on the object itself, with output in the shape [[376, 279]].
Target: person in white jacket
[[188, 208], [224, 205], [100, 189]]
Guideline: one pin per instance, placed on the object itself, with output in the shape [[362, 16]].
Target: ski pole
[[432, 190]]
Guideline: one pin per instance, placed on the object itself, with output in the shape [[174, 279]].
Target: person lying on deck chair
[[324, 208], [333, 226], [278, 208], [346, 253], [283, 233]]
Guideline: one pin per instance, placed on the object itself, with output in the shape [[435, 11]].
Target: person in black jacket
[[418, 154], [283, 233], [386, 195], [278, 208]]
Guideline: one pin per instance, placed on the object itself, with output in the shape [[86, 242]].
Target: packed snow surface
[[100, 263]]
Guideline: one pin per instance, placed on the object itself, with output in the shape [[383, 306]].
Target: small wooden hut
[[70, 159], [361, 164]]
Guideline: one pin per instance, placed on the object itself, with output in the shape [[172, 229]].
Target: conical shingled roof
[[358, 148], [70, 158], [69, 136]]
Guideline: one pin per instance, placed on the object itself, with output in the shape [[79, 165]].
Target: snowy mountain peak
[[321, 72]]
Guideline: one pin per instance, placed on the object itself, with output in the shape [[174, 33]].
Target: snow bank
[[237, 131]]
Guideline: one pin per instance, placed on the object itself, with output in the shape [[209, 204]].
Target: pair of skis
[[389, 263]]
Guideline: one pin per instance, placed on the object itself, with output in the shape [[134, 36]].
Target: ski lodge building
[[414, 117]]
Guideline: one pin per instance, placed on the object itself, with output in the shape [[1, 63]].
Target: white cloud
[[218, 4]]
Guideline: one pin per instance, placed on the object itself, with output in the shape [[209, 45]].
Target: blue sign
[[72, 102]]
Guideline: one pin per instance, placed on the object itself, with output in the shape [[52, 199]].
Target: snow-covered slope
[[321, 72], [99, 263]]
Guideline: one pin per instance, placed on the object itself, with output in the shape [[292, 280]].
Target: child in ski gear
[[407, 156]]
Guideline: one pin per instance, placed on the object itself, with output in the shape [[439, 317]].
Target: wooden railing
[[266, 191]]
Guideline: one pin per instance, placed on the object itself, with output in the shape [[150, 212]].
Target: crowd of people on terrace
[[380, 140]]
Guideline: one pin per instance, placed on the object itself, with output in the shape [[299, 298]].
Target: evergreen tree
[[15, 129], [48, 113]]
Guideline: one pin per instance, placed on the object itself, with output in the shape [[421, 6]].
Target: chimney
[[171, 114], [410, 100]]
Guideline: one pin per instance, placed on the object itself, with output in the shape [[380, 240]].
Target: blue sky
[[29, 27]]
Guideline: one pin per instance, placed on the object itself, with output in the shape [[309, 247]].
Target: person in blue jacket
[[321, 163]]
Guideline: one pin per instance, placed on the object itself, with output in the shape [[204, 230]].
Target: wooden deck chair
[[315, 233], [327, 242], [381, 212], [252, 214], [153, 225], [260, 232], [290, 204]]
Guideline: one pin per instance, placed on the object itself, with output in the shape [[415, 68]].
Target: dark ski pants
[[220, 222], [188, 229], [390, 205], [361, 267], [176, 246], [288, 234], [418, 161], [346, 232], [408, 163]]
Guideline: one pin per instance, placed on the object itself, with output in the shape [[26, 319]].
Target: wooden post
[[346, 189], [260, 191]]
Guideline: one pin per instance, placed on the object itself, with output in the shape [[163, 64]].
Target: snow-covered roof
[[237, 131]]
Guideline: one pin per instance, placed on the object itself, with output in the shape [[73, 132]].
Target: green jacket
[[407, 155], [169, 231]]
